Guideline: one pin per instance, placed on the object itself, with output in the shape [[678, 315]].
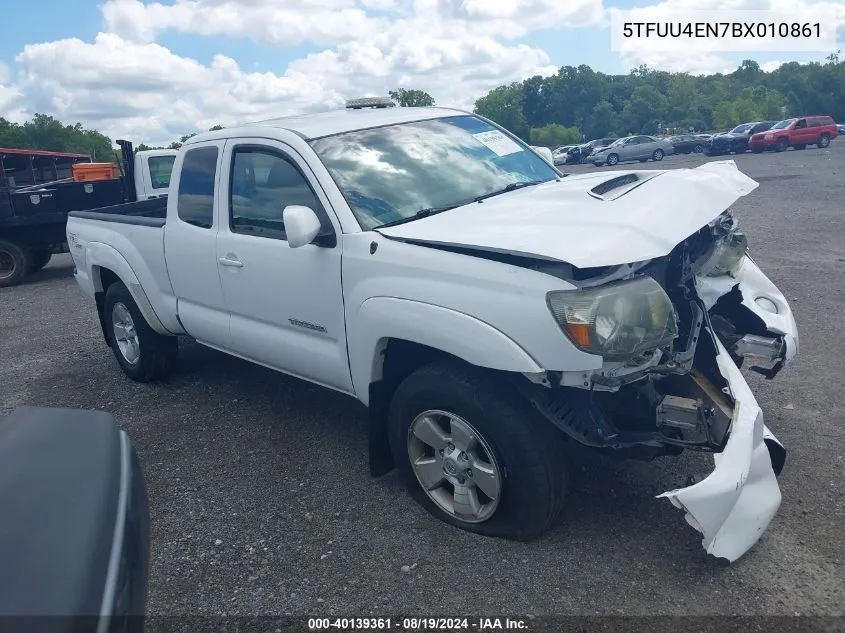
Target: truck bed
[[152, 212]]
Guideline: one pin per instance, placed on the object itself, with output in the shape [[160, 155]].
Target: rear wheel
[[658, 154], [782, 145], [40, 258], [757, 150], [143, 354], [15, 263], [475, 454], [824, 140], [698, 149], [740, 148]]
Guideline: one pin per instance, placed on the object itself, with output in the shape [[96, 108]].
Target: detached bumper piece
[[734, 505]]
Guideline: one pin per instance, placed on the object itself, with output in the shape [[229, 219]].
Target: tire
[[39, 259], [757, 150], [151, 356], [15, 263], [801, 146], [513, 442], [824, 141], [612, 159], [782, 145], [698, 149], [658, 155], [741, 148]]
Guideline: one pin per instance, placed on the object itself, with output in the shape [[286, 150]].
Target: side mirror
[[301, 225]]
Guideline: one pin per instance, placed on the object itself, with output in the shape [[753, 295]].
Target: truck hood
[[589, 220]]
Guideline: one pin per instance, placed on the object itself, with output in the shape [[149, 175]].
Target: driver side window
[[801, 124], [263, 183]]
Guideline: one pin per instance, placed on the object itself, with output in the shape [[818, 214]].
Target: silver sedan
[[641, 148]]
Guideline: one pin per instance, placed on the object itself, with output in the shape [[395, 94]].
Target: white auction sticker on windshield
[[498, 142]]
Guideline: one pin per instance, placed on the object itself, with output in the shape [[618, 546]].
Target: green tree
[[645, 106], [47, 133], [504, 106], [554, 135], [411, 98], [603, 121]]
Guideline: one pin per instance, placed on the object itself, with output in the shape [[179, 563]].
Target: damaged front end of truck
[[682, 388]]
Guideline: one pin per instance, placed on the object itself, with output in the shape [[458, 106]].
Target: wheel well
[[106, 278], [399, 359]]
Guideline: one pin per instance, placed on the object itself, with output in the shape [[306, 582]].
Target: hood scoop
[[620, 185]]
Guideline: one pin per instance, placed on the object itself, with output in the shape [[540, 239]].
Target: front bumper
[[734, 505]]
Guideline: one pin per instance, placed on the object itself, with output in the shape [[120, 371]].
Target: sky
[[151, 71]]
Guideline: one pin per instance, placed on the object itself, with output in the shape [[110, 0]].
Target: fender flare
[[102, 256], [380, 319]]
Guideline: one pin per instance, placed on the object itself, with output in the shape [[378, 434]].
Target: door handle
[[234, 263]]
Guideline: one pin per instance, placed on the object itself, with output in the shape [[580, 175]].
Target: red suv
[[799, 132]]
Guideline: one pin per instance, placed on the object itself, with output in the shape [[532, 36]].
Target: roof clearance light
[[370, 102]]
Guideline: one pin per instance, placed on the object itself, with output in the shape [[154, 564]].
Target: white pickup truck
[[485, 307]]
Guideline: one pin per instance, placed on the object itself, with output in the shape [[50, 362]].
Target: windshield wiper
[[422, 213], [511, 187]]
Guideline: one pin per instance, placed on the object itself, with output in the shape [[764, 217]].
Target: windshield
[[739, 129], [160, 169], [782, 124], [392, 173]]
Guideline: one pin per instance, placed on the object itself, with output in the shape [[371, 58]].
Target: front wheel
[[143, 354], [824, 141], [782, 145], [658, 155], [475, 454], [612, 159]]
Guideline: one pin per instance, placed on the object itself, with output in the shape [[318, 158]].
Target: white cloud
[[770, 66], [145, 92], [335, 21]]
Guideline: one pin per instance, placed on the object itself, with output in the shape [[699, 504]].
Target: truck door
[[286, 304], [190, 245]]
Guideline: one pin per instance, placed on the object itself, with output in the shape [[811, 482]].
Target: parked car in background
[[639, 148], [798, 133], [841, 129], [737, 139], [561, 153], [686, 144], [580, 153]]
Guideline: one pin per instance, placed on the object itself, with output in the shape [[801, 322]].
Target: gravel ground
[[262, 503]]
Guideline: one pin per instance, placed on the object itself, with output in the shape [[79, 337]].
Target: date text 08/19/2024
[[416, 624]]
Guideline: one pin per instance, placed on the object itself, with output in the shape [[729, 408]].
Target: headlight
[[617, 321], [727, 256], [769, 137]]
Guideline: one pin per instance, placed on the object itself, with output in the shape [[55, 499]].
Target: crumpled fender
[[753, 283], [734, 505]]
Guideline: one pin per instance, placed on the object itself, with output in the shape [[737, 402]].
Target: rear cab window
[[195, 203], [161, 167]]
